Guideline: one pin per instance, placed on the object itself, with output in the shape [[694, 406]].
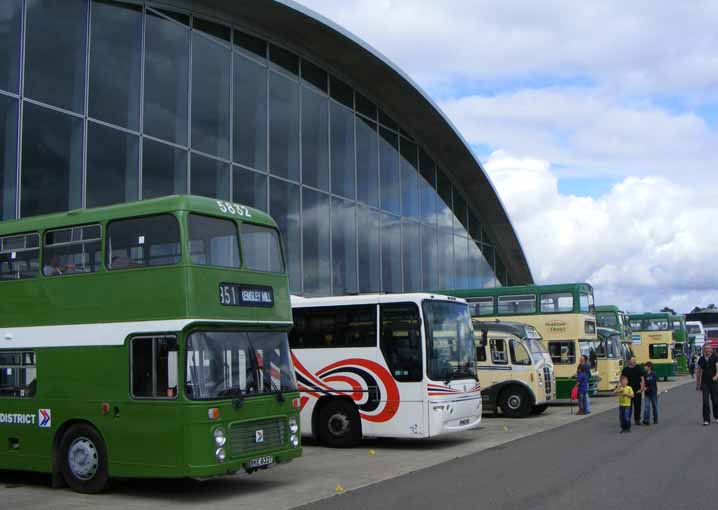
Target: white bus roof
[[370, 299]]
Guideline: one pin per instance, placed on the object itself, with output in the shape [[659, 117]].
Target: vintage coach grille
[[547, 380], [243, 436]]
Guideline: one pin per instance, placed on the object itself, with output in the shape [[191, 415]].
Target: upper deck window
[[515, 305], [143, 242], [557, 302], [261, 248], [481, 306], [586, 302], [19, 256], [607, 320], [213, 241], [72, 250]]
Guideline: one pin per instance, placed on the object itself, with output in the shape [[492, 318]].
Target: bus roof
[[519, 289], [519, 329], [366, 299], [608, 308], [126, 210], [651, 315]]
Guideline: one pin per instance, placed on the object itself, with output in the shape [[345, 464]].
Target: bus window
[[602, 346], [607, 320], [635, 325], [655, 325], [346, 326], [401, 341], [261, 248], [588, 349], [498, 351], [18, 374], [562, 352], [72, 250], [154, 367], [449, 340], [19, 256], [519, 354], [586, 301], [515, 305], [658, 351], [141, 242], [481, 306], [213, 241], [556, 303]]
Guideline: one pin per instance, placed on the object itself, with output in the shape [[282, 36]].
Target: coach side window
[[18, 374], [154, 367], [19, 256], [72, 250], [142, 242], [337, 326], [562, 353], [498, 351], [401, 341]]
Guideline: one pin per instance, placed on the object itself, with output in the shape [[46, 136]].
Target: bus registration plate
[[267, 460]]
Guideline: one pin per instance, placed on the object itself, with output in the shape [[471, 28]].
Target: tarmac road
[[585, 465]]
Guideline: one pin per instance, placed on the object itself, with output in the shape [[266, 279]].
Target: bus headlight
[[221, 455], [293, 425], [219, 437], [294, 440]]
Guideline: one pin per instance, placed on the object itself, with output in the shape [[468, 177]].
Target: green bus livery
[[145, 340], [612, 317], [563, 314], [653, 341], [681, 345]]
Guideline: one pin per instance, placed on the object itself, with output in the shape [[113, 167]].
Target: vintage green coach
[[145, 340]]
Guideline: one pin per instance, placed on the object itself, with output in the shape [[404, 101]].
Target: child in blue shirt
[[650, 394]]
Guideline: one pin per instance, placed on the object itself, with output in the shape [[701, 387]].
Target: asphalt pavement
[[586, 464]]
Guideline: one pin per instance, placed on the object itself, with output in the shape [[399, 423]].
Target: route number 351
[[239, 210]]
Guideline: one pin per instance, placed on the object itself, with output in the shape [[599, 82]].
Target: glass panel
[[446, 217], [141, 242], [154, 367], [51, 161], [658, 351], [284, 59], [389, 171], [498, 352], [474, 226], [391, 253], [213, 241], [429, 262], [411, 248], [18, 376], [166, 79], [562, 353], [8, 153], [113, 166], [55, 52], [261, 248], [367, 161], [283, 127], [317, 264], [446, 259], [342, 139], [401, 342], [314, 75], [164, 170], [19, 256], [217, 31], [210, 96], [338, 326], [460, 213], [344, 254], [284, 208], [481, 306], [387, 121], [72, 251], [409, 180], [250, 43], [519, 354], [315, 139], [480, 272], [209, 177], [461, 266], [249, 188], [10, 40], [514, 305], [365, 106], [341, 92], [427, 193], [250, 113], [368, 229], [557, 302], [116, 63], [450, 341], [586, 301]]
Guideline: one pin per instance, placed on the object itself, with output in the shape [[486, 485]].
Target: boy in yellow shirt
[[625, 396]]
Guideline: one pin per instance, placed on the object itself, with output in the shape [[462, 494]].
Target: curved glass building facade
[[109, 101]]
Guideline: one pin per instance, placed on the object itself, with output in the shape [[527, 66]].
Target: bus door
[[147, 428], [401, 350], [498, 356]]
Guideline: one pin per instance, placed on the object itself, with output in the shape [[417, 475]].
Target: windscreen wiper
[[253, 354]]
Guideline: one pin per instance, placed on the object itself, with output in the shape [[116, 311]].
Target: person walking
[[651, 394], [625, 395], [634, 373], [707, 382], [582, 377]]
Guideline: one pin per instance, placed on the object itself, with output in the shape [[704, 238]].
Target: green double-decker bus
[[563, 314], [612, 317], [145, 340], [653, 341], [680, 343]]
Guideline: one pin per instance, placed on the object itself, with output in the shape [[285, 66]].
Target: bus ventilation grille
[[244, 437]]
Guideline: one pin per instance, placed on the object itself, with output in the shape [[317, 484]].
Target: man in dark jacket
[[635, 374], [707, 382]]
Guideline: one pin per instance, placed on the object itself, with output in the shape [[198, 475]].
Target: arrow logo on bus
[[44, 418]]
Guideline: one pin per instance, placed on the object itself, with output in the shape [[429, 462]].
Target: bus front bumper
[[454, 415], [248, 464]]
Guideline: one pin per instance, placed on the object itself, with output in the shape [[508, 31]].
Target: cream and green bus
[[610, 358], [515, 370], [563, 315], [653, 341], [612, 317]]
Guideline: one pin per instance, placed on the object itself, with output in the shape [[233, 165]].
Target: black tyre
[[338, 424], [539, 409], [83, 459], [515, 402]]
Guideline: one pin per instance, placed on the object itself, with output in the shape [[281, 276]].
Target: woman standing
[[583, 374]]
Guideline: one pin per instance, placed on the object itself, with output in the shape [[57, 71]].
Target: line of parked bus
[[158, 339]]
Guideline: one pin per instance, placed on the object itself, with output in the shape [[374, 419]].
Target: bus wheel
[[515, 402], [83, 459], [539, 409], [339, 425]]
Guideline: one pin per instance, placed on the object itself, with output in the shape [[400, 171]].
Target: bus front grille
[[254, 436], [547, 381]]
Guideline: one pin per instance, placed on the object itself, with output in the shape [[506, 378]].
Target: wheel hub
[[339, 424], [82, 458], [514, 402]]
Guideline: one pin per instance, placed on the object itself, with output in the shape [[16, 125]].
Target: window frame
[[494, 360], [21, 366], [243, 259], [334, 310], [513, 342], [519, 298], [651, 351], [108, 252], [560, 362], [558, 295], [99, 268], [423, 360], [154, 339], [189, 241], [476, 303], [39, 249]]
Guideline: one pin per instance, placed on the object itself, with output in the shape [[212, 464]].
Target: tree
[[669, 310]]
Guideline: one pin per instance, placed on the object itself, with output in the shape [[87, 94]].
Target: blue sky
[[597, 122]]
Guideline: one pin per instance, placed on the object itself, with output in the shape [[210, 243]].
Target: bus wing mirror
[[484, 338]]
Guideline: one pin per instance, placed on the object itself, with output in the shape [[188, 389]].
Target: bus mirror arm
[[484, 338]]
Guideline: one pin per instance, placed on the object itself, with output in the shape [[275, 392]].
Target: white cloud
[[645, 244]]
